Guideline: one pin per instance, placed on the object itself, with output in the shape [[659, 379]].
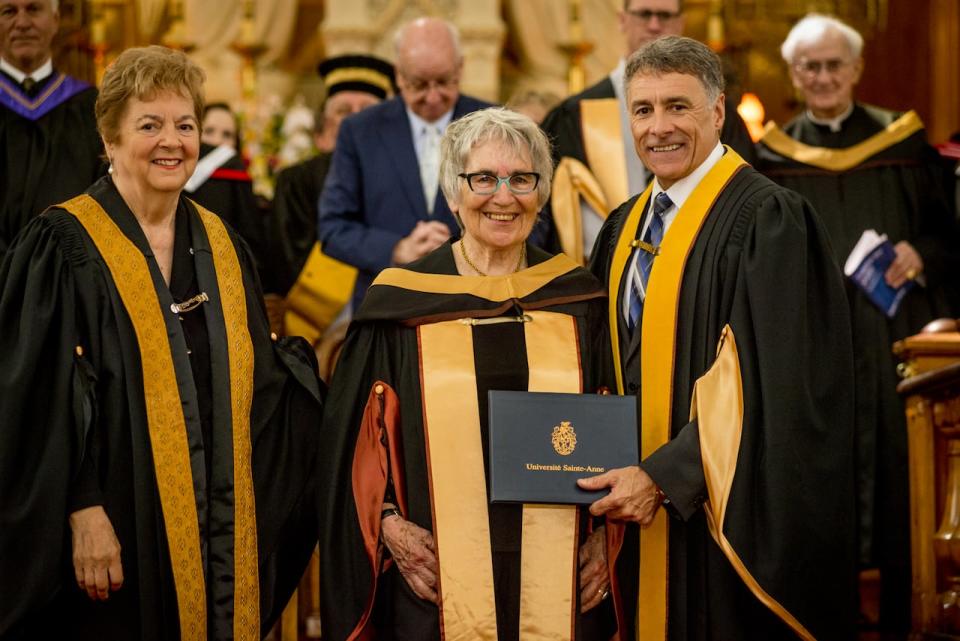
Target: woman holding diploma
[[410, 544]]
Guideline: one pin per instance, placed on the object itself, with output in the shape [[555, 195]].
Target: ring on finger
[[603, 593], [911, 274]]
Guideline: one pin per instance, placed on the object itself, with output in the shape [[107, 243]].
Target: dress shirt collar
[[835, 124], [681, 190], [418, 124], [40, 74]]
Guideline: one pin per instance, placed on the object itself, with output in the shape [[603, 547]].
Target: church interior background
[[261, 57]]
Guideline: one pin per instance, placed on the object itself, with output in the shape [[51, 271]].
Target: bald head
[[429, 62]]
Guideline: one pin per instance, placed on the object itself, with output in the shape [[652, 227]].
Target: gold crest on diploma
[[564, 438]]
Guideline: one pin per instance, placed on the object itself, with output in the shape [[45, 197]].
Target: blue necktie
[[644, 262]]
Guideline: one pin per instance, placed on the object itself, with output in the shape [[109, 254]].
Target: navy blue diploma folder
[[541, 443]]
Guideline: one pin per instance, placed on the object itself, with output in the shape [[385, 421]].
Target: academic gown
[[897, 191], [293, 226], [229, 193], [74, 433], [382, 346], [761, 264], [49, 148]]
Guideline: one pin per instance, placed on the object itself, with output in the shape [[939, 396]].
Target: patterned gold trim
[[572, 181], [358, 74], [718, 404], [548, 556], [603, 146], [246, 595], [165, 421], [841, 159], [492, 288]]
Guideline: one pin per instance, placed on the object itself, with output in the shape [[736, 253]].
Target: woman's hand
[[594, 576], [96, 553], [413, 549]]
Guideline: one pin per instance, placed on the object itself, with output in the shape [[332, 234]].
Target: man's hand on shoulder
[[633, 495], [425, 237]]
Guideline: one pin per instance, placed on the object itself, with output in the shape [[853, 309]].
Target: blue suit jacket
[[373, 196]]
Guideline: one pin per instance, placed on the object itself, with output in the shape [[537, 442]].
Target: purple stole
[[57, 91]]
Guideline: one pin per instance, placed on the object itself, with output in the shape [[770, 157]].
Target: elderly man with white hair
[[866, 168], [49, 146]]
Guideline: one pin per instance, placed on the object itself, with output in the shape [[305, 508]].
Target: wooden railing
[[931, 387]]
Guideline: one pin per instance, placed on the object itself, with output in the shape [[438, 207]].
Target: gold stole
[[841, 159], [657, 352], [167, 427], [323, 287], [459, 491]]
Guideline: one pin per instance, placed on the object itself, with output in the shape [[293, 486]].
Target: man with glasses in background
[[584, 129], [866, 168], [380, 205]]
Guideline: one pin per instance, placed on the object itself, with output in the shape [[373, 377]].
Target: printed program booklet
[[867, 264]]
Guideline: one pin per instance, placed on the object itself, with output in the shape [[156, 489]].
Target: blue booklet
[[866, 265], [541, 443]]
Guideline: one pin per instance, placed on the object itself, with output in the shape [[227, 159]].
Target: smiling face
[[826, 73], [502, 219], [158, 144], [27, 28], [675, 125]]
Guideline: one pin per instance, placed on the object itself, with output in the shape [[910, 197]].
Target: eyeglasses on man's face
[[646, 15], [813, 68], [485, 183], [421, 86]]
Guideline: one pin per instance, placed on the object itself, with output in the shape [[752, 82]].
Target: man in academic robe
[[865, 168], [353, 83], [49, 146], [589, 128], [380, 205], [728, 322]]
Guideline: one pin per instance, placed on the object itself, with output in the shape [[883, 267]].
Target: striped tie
[[643, 263]]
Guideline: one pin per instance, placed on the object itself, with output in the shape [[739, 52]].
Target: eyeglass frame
[[419, 86], [501, 180], [812, 68], [646, 15]]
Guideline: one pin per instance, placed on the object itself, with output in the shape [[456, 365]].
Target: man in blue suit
[[380, 205]]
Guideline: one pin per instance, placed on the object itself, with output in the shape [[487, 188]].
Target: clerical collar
[[38, 75], [835, 124]]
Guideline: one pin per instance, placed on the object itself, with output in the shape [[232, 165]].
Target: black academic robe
[[293, 225], [46, 155], [761, 264], [73, 433], [382, 345], [562, 125], [897, 191], [229, 193]]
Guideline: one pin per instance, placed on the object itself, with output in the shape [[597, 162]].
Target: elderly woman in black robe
[[411, 548], [156, 446]]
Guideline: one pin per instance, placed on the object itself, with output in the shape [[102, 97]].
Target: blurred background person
[[863, 167], [533, 103], [220, 126], [49, 147], [585, 126], [146, 410], [389, 388], [353, 83], [380, 205]]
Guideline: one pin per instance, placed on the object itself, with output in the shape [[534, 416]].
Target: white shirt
[[678, 192], [39, 74], [418, 127]]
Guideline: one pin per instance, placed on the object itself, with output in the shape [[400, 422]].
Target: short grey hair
[[496, 124], [812, 28], [677, 54], [401, 32]]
